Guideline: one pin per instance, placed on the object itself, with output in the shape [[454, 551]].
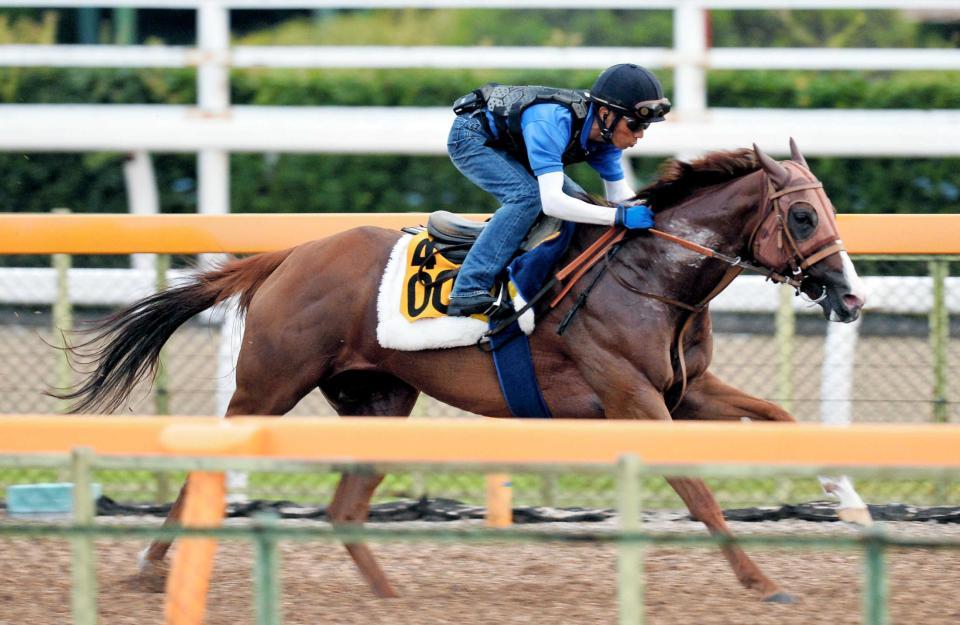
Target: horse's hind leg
[[263, 388], [704, 508], [365, 394]]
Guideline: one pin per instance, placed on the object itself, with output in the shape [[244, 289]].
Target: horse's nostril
[[852, 302]]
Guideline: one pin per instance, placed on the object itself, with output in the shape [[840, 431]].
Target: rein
[[603, 249], [733, 262]]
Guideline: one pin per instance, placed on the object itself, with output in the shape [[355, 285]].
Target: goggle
[[635, 125], [648, 109], [652, 108]]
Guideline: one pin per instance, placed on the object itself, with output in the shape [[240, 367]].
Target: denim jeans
[[503, 176]]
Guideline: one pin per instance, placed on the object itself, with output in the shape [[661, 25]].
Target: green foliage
[[18, 29], [372, 183], [814, 29], [860, 90], [475, 27]]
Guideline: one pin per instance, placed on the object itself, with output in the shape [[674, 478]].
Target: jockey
[[514, 142]]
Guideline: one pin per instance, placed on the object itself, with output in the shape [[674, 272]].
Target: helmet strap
[[606, 131]]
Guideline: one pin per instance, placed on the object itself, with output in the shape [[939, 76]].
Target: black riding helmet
[[630, 91]]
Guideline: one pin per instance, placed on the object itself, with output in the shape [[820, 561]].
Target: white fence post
[[836, 374], [142, 197], [690, 77], [213, 99]]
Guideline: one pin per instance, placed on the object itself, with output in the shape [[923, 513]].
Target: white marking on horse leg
[[851, 508], [142, 561]]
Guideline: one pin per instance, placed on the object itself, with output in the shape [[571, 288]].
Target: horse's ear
[[777, 172], [795, 154]]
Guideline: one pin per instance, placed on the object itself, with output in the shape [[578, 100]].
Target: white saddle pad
[[395, 332]]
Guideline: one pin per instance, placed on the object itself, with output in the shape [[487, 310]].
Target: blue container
[[27, 499]]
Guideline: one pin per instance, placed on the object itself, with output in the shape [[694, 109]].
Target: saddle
[[434, 255], [453, 235]]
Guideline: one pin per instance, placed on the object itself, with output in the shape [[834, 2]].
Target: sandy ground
[[505, 582]]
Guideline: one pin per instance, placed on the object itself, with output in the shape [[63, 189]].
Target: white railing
[[478, 57], [213, 128], [748, 294]]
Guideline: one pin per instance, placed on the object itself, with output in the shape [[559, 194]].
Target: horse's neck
[[720, 218]]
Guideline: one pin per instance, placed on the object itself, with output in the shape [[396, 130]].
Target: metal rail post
[[83, 571], [266, 571], [875, 584], [939, 338], [630, 583], [161, 385], [786, 323], [549, 487], [62, 319]]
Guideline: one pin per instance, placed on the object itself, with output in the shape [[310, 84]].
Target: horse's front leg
[[646, 402], [703, 507], [710, 399]]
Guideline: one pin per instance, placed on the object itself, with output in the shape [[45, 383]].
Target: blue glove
[[637, 217]]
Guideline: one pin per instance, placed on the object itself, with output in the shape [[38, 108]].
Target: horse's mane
[[679, 179]]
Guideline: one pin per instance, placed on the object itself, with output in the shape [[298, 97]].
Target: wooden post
[[499, 500], [630, 585], [189, 578], [83, 569]]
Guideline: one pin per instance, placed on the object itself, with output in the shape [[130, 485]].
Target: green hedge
[[306, 183]]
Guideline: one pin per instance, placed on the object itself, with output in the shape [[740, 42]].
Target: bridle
[[780, 257], [774, 246], [775, 249]]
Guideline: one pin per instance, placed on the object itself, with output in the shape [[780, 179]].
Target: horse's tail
[[125, 347]]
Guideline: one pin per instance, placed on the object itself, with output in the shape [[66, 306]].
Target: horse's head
[[798, 237]]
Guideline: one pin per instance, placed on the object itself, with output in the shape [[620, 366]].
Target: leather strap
[[586, 254], [587, 259], [799, 187], [728, 277], [690, 245], [830, 250]]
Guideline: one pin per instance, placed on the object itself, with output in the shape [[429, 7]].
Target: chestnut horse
[[311, 318]]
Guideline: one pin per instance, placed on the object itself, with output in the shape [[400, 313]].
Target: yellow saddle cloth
[[427, 280]]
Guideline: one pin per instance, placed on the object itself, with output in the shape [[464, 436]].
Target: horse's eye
[[802, 220]]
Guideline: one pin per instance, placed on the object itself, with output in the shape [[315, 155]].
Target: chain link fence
[[898, 364]]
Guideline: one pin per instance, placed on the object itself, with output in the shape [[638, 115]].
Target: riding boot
[[470, 305]]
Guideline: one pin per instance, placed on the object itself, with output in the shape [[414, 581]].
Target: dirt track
[[504, 583]]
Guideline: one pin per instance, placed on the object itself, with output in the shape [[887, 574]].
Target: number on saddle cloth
[[434, 256]]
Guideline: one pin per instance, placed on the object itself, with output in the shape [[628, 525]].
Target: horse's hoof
[[384, 590], [780, 597], [856, 516], [152, 576]]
